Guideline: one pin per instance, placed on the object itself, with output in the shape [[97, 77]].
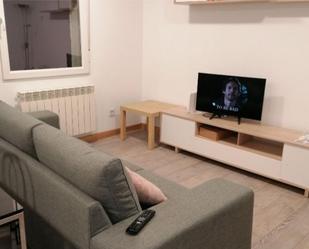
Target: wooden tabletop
[[147, 107]]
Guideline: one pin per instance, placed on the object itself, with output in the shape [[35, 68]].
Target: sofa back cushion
[[69, 212], [100, 175], [16, 128]]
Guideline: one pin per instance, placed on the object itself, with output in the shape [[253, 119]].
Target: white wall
[[116, 61], [116, 28], [258, 40], [164, 45]]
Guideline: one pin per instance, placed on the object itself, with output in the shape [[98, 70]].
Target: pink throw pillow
[[147, 192]]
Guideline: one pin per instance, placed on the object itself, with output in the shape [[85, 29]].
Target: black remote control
[[140, 222]]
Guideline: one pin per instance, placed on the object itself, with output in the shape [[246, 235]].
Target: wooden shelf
[[214, 133], [189, 2], [230, 140], [261, 146], [248, 127]]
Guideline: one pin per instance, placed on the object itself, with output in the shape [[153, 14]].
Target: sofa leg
[[306, 194]]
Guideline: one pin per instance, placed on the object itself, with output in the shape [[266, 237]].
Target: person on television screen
[[230, 100]]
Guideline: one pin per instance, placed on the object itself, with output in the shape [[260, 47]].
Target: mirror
[[43, 38]]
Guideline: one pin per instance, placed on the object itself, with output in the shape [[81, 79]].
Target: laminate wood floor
[[281, 212]]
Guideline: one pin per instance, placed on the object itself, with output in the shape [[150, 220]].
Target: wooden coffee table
[[149, 108]]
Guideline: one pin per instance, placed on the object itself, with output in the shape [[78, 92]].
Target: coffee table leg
[[151, 132], [123, 118]]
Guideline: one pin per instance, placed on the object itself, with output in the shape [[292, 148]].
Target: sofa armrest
[[215, 215], [47, 117]]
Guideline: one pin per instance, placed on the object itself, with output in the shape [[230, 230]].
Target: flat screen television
[[230, 95]]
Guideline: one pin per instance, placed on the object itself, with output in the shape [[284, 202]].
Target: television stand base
[[213, 115], [239, 119]]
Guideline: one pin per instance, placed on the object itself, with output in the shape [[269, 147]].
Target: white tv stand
[[265, 150]]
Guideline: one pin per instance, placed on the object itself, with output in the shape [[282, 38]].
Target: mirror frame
[[7, 74]]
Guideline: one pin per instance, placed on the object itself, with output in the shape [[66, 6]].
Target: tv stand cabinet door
[[295, 165], [177, 132]]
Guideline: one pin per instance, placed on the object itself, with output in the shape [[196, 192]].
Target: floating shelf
[[189, 2]]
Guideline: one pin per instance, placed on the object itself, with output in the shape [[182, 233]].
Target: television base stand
[[239, 119], [213, 115]]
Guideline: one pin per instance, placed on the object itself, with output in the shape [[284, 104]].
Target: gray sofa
[[77, 197]]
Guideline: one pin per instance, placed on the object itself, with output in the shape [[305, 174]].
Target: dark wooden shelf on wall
[[235, 1]]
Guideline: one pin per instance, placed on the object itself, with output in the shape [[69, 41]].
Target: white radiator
[[75, 107]]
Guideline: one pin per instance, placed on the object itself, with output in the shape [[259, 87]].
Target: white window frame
[[7, 74]]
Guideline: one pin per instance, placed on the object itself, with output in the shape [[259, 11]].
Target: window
[[42, 38]]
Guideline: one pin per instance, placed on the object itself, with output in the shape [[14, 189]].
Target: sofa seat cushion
[[99, 175], [16, 128]]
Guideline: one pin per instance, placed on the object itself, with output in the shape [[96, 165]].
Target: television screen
[[230, 95]]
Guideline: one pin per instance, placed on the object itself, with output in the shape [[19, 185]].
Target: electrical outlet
[[112, 112]]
